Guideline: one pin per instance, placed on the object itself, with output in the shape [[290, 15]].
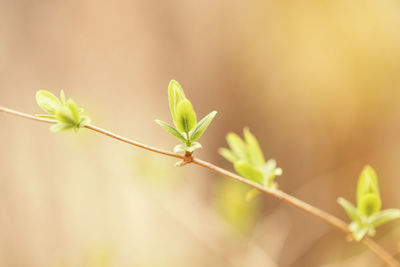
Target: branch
[[188, 158]]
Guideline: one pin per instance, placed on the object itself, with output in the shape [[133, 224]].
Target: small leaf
[[202, 126], [270, 171], [370, 204], [74, 110], [237, 145], [62, 97], [367, 183], [65, 115], [384, 216], [171, 130], [247, 171], [255, 154], [186, 117], [350, 209], [62, 127], [175, 96], [228, 155], [47, 101]]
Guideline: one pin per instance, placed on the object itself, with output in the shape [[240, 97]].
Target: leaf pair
[[368, 214], [67, 113], [248, 160], [186, 129]]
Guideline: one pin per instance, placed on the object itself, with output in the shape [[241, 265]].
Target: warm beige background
[[316, 81]]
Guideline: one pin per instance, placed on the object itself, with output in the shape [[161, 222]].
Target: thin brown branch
[[329, 218]]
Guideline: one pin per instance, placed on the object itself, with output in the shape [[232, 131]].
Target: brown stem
[[188, 158]]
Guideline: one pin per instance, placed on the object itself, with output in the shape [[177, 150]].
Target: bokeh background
[[316, 81]]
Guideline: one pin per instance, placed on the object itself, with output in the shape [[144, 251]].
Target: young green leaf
[[367, 183], [175, 96], [74, 110], [237, 145], [270, 171], [171, 130], [65, 115], [186, 117], [350, 209], [62, 97], [247, 171], [228, 155], [47, 101], [384, 216], [369, 204], [255, 154], [202, 126]]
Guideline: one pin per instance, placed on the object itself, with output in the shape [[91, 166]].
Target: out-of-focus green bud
[[248, 160], [367, 215], [67, 113], [367, 183]]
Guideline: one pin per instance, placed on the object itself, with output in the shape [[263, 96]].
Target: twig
[[329, 218]]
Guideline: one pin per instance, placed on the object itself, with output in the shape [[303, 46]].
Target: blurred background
[[316, 81]]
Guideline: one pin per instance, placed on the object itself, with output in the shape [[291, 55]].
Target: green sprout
[[67, 113], [368, 214], [186, 129], [248, 160]]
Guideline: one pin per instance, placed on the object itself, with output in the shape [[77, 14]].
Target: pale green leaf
[[202, 126], [270, 172], [256, 156], [65, 115], [228, 154], [369, 204], [249, 172], [237, 145], [74, 110], [367, 183], [175, 96], [62, 97], [384, 216], [351, 211], [171, 130], [47, 101], [186, 117]]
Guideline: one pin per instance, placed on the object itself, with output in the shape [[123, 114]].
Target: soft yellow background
[[316, 81]]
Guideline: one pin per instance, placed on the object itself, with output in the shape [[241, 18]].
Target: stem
[[291, 200]]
